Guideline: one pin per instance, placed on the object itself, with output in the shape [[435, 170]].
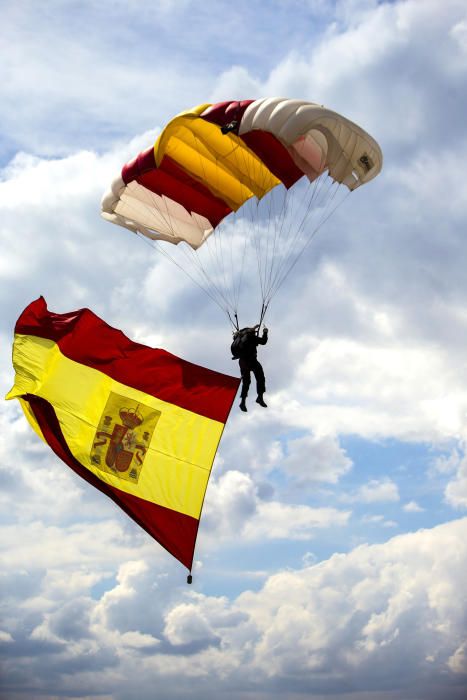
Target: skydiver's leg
[[260, 383], [246, 380], [245, 370]]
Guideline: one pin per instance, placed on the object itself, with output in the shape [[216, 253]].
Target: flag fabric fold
[[138, 423]]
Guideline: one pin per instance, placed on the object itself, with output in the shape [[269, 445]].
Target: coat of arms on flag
[[123, 436]]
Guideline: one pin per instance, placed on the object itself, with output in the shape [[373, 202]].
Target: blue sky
[[332, 553]]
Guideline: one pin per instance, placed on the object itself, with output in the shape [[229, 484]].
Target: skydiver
[[244, 350]]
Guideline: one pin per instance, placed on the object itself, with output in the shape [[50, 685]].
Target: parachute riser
[[264, 308], [235, 325]]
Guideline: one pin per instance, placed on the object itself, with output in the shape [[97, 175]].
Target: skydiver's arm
[[264, 338]]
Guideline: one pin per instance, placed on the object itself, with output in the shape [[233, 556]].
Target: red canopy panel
[[170, 180], [263, 143]]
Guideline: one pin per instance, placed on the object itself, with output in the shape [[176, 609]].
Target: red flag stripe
[[85, 338]]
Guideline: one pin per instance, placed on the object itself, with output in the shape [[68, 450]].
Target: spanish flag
[[138, 423]]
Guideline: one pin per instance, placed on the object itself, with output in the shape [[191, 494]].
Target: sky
[[332, 550]]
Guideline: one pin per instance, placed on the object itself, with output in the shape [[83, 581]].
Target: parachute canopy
[[258, 174], [210, 160]]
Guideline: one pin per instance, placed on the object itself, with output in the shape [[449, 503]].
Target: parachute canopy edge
[[113, 196], [209, 161]]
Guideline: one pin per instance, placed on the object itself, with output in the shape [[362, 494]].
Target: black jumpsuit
[[248, 362]]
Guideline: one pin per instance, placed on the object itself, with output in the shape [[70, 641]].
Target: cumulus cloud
[[452, 468], [347, 620], [375, 491], [456, 489], [234, 508], [353, 611], [447, 463], [186, 624], [314, 458], [5, 637], [351, 386]]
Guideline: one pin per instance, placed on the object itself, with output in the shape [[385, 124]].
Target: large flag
[[138, 423]]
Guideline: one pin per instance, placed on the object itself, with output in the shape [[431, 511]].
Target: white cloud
[[309, 559], [275, 520], [386, 589], [196, 620], [456, 489], [186, 624], [124, 588], [374, 389], [377, 614], [233, 509], [458, 661], [312, 458], [375, 491], [378, 520], [447, 464], [58, 548], [413, 507], [459, 34]]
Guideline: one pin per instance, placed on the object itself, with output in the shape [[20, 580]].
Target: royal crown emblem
[[123, 437], [130, 417]]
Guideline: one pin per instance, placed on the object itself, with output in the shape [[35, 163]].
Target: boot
[[260, 400], [243, 406]]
